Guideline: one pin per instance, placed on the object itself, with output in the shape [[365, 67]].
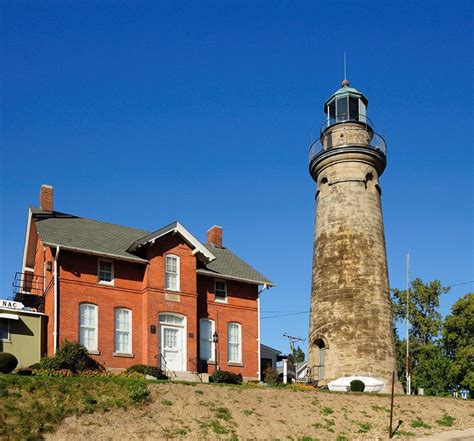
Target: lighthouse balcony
[[346, 133]]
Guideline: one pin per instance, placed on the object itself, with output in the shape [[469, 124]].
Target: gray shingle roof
[[96, 237], [230, 265], [86, 234]]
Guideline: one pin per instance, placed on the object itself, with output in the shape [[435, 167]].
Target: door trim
[[183, 327]]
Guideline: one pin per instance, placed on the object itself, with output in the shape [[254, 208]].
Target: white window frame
[[130, 330], [220, 299], [9, 336], [169, 272], [239, 327], [95, 349], [206, 341], [105, 282]]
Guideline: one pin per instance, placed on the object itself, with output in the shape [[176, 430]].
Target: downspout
[[259, 368], [56, 280]]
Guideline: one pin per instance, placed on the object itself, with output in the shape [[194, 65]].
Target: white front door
[[172, 347]]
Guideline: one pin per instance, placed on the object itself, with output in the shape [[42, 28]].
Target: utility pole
[[408, 367], [292, 339]]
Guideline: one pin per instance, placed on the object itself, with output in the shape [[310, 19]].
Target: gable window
[[88, 326], [123, 331], [172, 272], [220, 291], [206, 345], [234, 335], [105, 273], [4, 330]]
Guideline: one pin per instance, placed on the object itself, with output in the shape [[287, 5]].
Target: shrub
[[71, 356], [138, 393], [225, 377], [271, 376], [357, 386], [24, 371], [53, 372], [147, 370], [8, 362]]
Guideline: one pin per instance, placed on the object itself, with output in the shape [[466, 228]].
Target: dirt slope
[[205, 411]]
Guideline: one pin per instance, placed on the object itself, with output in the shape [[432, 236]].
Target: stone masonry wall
[[350, 307]]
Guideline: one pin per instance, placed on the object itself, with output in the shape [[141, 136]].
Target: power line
[[285, 315], [462, 283]]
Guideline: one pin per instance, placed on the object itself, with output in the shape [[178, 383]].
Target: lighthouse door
[[322, 355]]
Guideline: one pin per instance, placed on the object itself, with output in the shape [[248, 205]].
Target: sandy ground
[[208, 411]]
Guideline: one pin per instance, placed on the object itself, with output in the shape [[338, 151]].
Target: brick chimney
[[46, 198], [214, 236]]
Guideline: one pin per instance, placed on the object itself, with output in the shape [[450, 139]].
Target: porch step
[[192, 377]]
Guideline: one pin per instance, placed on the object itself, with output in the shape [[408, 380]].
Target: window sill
[[121, 354], [100, 282], [220, 300], [229, 363], [93, 352], [209, 362]]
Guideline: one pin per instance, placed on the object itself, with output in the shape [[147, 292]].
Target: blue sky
[[141, 113]]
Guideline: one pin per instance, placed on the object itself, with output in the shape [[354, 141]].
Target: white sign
[[10, 304]]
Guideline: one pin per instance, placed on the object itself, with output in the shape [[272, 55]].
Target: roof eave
[[97, 253], [176, 227], [239, 279]]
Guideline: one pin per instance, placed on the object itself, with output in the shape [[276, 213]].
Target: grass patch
[[419, 423], [32, 406], [223, 413], [342, 437], [364, 427], [446, 421], [380, 408], [327, 411], [167, 402]]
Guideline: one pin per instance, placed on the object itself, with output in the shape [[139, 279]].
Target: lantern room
[[346, 104]]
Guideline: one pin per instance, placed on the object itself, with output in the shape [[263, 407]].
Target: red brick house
[[133, 296]]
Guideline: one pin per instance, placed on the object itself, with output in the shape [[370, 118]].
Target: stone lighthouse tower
[[350, 322]]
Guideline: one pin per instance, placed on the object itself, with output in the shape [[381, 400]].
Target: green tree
[[425, 320], [458, 340], [298, 355], [429, 365]]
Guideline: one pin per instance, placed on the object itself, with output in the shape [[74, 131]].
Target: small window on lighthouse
[[341, 109], [332, 110], [353, 109]]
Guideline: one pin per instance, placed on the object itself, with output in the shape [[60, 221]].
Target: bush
[[357, 386], [24, 371], [70, 356], [225, 377], [147, 370], [8, 362], [271, 376], [53, 372]]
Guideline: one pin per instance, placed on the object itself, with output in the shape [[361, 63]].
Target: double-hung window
[[123, 331], [206, 345], [88, 326], [220, 291], [4, 330], [105, 273], [172, 272], [234, 335]]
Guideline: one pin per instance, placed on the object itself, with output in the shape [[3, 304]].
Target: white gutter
[[56, 279], [97, 253], [239, 279], [265, 286]]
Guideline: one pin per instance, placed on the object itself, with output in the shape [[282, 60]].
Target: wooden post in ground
[[391, 405]]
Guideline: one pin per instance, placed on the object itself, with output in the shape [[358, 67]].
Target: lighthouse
[[350, 321]]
